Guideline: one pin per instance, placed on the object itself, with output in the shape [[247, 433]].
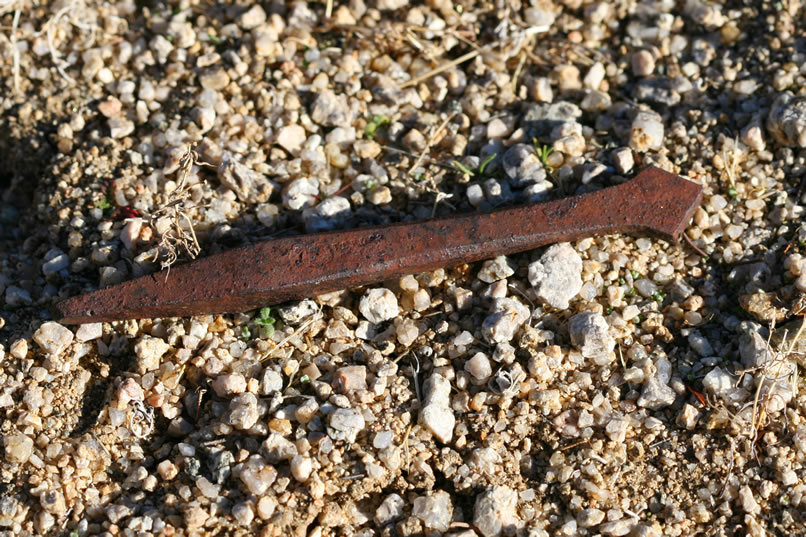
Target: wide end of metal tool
[[661, 204]]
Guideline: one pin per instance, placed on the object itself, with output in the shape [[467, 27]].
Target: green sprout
[[630, 293], [732, 192], [108, 201], [374, 124], [304, 379], [482, 167], [635, 275], [462, 168], [266, 322], [543, 152], [246, 335], [214, 39], [658, 296], [486, 161]]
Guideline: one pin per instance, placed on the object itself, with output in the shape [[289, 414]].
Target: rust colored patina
[[655, 203]]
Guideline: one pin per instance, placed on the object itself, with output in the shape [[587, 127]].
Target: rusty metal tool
[[655, 203]]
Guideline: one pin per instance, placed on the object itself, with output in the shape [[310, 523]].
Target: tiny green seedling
[[630, 293], [658, 296], [214, 39], [732, 192], [486, 162], [543, 152], [462, 168], [370, 131], [481, 170], [246, 334], [266, 322]]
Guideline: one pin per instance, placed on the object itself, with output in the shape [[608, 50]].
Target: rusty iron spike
[[655, 203]]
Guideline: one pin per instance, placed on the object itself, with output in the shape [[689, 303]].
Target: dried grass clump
[[178, 239]]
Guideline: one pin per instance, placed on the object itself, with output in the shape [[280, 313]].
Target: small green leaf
[[486, 161], [374, 124], [214, 39], [245, 333], [732, 192], [462, 168], [268, 330], [630, 293], [636, 275]]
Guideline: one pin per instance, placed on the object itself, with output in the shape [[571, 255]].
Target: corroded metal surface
[[655, 203]]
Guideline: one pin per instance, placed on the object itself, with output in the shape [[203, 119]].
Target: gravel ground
[[612, 386]]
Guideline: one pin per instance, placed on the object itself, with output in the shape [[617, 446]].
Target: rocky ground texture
[[612, 386]]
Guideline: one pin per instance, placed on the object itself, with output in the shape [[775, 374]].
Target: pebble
[[436, 414], [590, 517], [786, 121], [657, 393], [557, 276], [120, 127], [243, 513], [229, 384], [435, 510], [379, 305], [700, 344], [479, 367], [297, 312], [18, 447], [643, 64], [496, 269], [617, 527], [291, 138], [247, 184], [331, 110], [345, 424], [495, 512], [243, 411], [747, 501], [252, 18], [331, 213], [647, 132], [53, 502], [16, 296], [718, 382], [301, 468], [522, 166], [688, 417], [89, 332], [56, 261], [270, 381], [301, 193], [214, 78], [383, 440], [131, 232], [149, 351], [506, 317], [390, 509], [53, 338], [266, 506], [350, 379], [623, 159], [19, 349], [590, 333], [167, 470], [407, 331], [257, 475]]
